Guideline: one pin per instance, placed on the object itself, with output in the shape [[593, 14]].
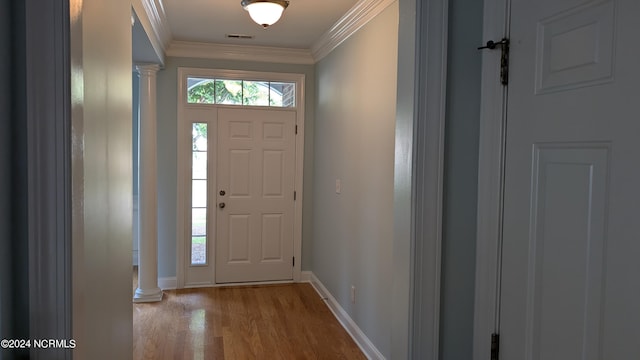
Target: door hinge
[[504, 58], [294, 196], [293, 261], [495, 346], [296, 129]]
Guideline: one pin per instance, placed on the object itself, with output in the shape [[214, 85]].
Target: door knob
[[221, 205]]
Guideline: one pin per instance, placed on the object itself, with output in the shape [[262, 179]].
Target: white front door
[[570, 279], [255, 195]]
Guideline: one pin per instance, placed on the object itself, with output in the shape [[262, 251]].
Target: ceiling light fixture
[[265, 12]]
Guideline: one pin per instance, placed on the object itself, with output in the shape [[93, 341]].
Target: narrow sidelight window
[[199, 195]]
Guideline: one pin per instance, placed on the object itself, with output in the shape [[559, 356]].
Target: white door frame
[[428, 92], [490, 182], [183, 171]]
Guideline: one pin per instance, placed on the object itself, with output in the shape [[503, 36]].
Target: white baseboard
[[168, 283], [363, 342]]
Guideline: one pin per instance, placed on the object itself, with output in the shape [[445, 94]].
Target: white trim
[[158, 18], [490, 182], [299, 174], [429, 131], [187, 49], [183, 136], [363, 342], [168, 283], [182, 192], [358, 16], [237, 284], [141, 297], [158, 45]]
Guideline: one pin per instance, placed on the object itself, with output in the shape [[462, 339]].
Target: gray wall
[[354, 142], [403, 180], [460, 179], [167, 150]]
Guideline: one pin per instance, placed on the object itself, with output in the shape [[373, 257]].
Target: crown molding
[[201, 50], [360, 14], [161, 38], [158, 18]]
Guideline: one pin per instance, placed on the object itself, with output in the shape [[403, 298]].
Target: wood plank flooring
[[250, 322]]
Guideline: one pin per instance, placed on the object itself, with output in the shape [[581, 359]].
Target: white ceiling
[[302, 23]]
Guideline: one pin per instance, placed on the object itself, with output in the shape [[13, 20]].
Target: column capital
[[147, 69]]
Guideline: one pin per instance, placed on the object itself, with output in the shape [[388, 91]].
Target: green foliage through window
[[199, 136], [240, 92]]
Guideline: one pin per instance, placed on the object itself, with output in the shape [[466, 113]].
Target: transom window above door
[[205, 90]]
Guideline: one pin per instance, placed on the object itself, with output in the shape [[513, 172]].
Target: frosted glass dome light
[[265, 12]]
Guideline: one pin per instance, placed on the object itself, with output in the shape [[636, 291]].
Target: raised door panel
[[273, 238], [273, 173], [575, 47], [239, 238], [566, 254], [239, 173]]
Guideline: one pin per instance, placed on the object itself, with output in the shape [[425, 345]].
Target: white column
[[148, 290]]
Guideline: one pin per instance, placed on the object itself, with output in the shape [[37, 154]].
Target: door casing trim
[[427, 90], [181, 227]]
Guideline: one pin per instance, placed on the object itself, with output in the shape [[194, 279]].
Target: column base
[[153, 295]]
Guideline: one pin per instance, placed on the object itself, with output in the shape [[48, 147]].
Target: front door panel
[[256, 160]]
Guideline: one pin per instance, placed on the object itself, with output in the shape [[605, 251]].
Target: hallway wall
[[354, 142], [102, 177]]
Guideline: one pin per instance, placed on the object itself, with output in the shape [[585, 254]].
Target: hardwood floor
[[251, 322]]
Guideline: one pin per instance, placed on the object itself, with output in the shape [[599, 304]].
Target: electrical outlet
[[338, 186], [353, 294]]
